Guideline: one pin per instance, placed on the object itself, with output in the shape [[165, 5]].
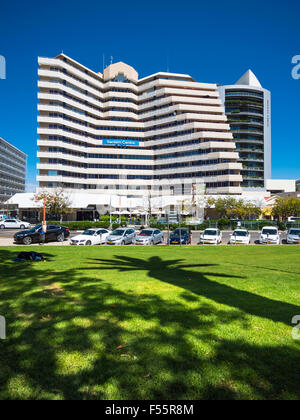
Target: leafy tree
[[57, 203], [286, 207], [234, 208]]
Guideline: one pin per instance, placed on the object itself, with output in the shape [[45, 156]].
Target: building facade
[[12, 170], [114, 133], [248, 108]]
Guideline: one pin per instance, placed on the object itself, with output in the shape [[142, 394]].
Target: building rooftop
[[249, 79], [12, 146]]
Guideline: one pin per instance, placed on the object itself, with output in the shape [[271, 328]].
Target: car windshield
[[179, 232], [35, 228], [146, 233], [295, 232], [269, 232], [240, 233], [210, 232], [89, 232], [117, 232]]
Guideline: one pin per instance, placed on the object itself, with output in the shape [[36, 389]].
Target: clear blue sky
[[213, 41]]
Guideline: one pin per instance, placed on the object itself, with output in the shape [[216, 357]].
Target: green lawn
[[151, 323]]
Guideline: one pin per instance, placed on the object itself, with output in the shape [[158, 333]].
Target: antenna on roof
[[111, 59], [103, 63], [168, 69]]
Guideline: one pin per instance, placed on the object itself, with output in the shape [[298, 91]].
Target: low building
[[277, 186], [89, 206]]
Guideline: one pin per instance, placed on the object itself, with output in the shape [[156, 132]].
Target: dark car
[[183, 235], [54, 233]]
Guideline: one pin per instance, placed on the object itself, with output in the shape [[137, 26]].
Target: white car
[[293, 219], [240, 236], [90, 237], [211, 236], [269, 235], [149, 237], [13, 224], [293, 236], [121, 236]]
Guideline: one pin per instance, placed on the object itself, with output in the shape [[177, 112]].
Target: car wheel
[[27, 240], [60, 237], [22, 227], [2, 227], [88, 243], [122, 243]]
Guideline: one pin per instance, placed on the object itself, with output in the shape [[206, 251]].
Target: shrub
[[82, 225], [263, 223], [226, 224], [282, 226], [115, 226]]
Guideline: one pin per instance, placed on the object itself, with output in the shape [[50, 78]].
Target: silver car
[[121, 236], [14, 224], [149, 237], [293, 236]]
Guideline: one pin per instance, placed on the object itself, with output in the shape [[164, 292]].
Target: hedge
[[82, 225]]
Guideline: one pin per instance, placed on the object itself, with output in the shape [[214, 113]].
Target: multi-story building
[[12, 170], [248, 108], [114, 133]]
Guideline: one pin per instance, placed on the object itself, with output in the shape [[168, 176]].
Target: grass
[[151, 323]]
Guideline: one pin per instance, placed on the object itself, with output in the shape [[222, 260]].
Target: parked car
[[149, 237], [293, 219], [211, 236], [293, 236], [13, 224], [240, 236], [54, 233], [182, 236], [121, 236], [90, 237], [269, 235]]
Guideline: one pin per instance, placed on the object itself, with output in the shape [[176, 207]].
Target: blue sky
[[213, 41]]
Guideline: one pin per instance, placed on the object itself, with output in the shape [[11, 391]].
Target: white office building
[[248, 108], [116, 134]]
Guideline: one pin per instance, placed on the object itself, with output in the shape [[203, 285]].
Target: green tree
[[286, 207], [57, 203], [234, 208]]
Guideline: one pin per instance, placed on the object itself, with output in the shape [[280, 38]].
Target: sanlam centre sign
[[120, 142]]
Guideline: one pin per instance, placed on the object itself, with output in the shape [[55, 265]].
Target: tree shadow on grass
[[65, 329], [199, 283]]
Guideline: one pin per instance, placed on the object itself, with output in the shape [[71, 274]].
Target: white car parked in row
[[121, 236], [269, 235], [90, 237], [211, 236], [240, 236], [149, 237], [13, 224], [293, 236]]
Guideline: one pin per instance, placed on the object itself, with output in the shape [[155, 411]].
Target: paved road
[[6, 238]]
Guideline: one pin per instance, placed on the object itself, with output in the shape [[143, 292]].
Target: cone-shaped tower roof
[[249, 79]]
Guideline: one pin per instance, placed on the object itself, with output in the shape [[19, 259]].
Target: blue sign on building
[[120, 142]]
